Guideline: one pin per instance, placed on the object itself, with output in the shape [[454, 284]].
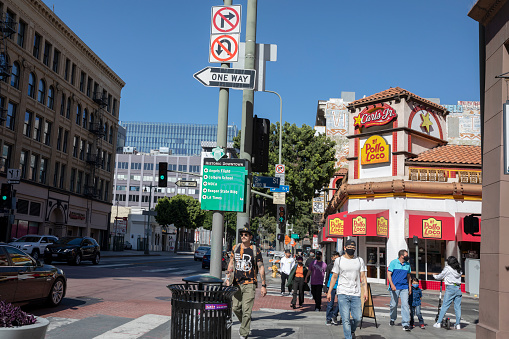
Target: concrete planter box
[[35, 331]]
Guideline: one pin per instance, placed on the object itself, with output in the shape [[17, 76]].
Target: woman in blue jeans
[[451, 274]]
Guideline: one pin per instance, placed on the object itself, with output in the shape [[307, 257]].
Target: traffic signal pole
[[216, 248], [247, 111]]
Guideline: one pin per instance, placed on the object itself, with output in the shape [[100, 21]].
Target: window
[[87, 180], [111, 135], [43, 170], [181, 191], [27, 127], [82, 81], [105, 132], [120, 197], [134, 198], [136, 166], [56, 60], [23, 164], [79, 182], [66, 136], [51, 97], [89, 86], [42, 91], [68, 110], [108, 107], [114, 107], [183, 168], [108, 163], [148, 178], [121, 188], [73, 179], [192, 191], [101, 188], [194, 168], [55, 174], [46, 53], [106, 190], [37, 128], [15, 75], [75, 146], [78, 115], [59, 138], [18, 257], [82, 149], [37, 45], [62, 105], [6, 159], [85, 118], [62, 176], [103, 159], [31, 85], [73, 73], [148, 167], [11, 116], [66, 70], [34, 160], [22, 27], [47, 133]]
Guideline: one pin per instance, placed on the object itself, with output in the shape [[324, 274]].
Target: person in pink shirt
[[317, 270]]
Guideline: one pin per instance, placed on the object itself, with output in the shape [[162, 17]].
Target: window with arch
[[85, 118], [31, 85], [15, 75], [51, 97], [42, 91], [78, 114], [68, 110]]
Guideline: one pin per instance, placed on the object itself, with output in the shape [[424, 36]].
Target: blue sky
[[324, 47]]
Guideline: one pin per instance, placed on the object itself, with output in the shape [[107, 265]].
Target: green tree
[[181, 211]]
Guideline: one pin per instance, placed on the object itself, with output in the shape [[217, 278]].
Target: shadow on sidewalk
[[272, 333]]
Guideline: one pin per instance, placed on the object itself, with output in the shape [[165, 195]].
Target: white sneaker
[[436, 325], [458, 327]]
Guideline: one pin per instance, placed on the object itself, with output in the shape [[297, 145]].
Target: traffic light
[[471, 224], [260, 153], [163, 175], [281, 215], [6, 196]]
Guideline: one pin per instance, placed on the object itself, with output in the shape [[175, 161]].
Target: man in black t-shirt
[[245, 264]]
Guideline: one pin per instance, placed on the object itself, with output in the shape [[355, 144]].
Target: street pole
[[147, 251], [247, 111], [278, 230], [216, 248]]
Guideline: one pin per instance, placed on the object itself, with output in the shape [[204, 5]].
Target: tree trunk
[[176, 240]]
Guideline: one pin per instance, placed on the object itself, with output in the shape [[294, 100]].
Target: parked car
[[128, 246], [200, 251], [34, 244], [24, 280], [205, 263], [73, 250]]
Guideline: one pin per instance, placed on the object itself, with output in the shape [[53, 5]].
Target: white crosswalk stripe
[[135, 328]]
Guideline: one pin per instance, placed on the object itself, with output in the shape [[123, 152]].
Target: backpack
[[255, 266]]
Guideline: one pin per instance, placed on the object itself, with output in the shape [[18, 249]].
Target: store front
[[469, 245]]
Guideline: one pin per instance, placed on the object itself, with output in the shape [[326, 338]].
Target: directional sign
[[282, 188], [224, 185], [265, 182], [226, 77], [226, 19], [186, 183], [224, 48], [13, 175]]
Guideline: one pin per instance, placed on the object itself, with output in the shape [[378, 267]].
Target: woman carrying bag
[[451, 275], [297, 283]]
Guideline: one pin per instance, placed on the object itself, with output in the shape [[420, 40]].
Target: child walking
[[415, 303]]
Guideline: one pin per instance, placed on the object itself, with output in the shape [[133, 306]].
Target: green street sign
[[224, 185], [295, 236]]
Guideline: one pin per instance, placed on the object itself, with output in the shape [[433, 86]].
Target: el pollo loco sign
[[336, 227], [432, 228], [359, 226], [375, 151], [375, 116]]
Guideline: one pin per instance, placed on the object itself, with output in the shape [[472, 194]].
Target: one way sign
[[227, 77]]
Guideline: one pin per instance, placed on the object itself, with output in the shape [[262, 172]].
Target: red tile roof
[[390, 94], [451, 154]]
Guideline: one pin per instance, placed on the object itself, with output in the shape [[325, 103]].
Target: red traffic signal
[[281, 214]]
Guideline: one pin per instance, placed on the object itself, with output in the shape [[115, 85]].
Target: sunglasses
[[244, 234]]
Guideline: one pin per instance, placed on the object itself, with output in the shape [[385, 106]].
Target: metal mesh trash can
[[201, 308]]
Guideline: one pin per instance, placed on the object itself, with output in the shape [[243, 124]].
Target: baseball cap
[[245, 230], [350, 243]]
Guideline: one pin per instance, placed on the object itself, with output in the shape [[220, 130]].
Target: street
[[127, 297]]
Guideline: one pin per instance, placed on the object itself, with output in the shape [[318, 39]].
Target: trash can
[[201, 308]]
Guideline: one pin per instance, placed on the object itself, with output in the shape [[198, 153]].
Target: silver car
[[200, 251]]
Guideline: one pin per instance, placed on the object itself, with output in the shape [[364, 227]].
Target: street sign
[[281, 188], [224, 48], [13, 175], [280, 169], [224, 185], [265, 182], [226, 77], [151, 213], [279, 198], [225, 19], [295, 236], [186, 183]]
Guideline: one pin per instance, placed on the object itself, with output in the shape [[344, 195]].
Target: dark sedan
[[206, 260], [24, 280], [73, 250]]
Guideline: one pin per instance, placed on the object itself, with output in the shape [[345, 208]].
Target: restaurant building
[[405, 186]]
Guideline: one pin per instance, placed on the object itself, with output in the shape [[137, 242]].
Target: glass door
[[376, 263]]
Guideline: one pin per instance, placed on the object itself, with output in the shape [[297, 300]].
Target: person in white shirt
[[285, 265], [351, 272], [451, 274]]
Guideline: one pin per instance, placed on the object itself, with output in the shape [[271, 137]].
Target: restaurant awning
[[462, 236], [431, 225], [373, 223], [323, 238], [335, 226]]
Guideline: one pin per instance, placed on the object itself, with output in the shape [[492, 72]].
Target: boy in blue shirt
[[415, 303], [400, 286]]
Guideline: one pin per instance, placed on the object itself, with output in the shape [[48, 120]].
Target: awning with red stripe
[[436, 226], [462, 236], [374, 223], [335, 227]]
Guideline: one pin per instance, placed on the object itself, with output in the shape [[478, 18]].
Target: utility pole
[[216, 248], [247, 111], [147, 248]]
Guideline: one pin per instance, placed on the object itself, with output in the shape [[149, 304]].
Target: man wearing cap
[[350, 272], [286, 264], [244, 264], [317, 271]]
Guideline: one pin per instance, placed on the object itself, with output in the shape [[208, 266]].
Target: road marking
[[162, 270], [55, 322], [135, 328], [112, 265]]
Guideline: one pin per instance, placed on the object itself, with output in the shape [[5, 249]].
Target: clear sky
[[324, 47]]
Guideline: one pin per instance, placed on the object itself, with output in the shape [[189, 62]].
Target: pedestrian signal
[[163, 174], [471, 224]]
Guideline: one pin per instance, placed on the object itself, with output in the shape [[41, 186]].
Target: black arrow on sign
[[230, 16], [219, 50]]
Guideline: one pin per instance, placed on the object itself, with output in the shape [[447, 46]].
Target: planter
[[35, 331]]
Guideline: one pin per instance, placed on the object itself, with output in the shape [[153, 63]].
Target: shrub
[[11, 316]]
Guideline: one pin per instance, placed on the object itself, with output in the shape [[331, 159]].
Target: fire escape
[[7, 28], [94, 157]]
